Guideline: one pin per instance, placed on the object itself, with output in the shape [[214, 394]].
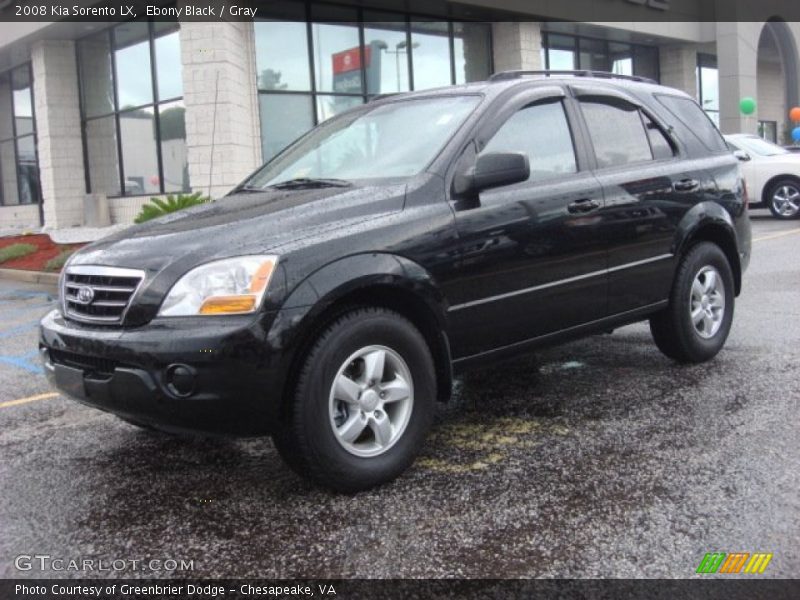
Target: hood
[[244, 223]]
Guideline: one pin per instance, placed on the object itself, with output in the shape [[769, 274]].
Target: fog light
[[180, 379]]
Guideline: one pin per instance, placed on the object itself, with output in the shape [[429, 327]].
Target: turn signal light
[[220, 305]]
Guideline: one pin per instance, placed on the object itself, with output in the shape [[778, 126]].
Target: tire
[[783, 199], [676, 333], [314, 438]]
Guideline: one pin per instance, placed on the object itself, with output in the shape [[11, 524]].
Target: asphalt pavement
[[600, 458]]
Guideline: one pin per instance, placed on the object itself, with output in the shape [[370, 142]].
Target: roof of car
[[504, 80]]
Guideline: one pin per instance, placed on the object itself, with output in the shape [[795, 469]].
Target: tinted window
[[542, 132], [691, 115], [661, 146], [617, 132]]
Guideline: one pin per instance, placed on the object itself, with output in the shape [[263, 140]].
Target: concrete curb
[[47, 279]]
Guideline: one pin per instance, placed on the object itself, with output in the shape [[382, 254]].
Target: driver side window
[[542, 132]]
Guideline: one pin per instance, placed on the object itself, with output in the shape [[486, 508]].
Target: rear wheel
[[784, 199], [695, 325], [363, 402]]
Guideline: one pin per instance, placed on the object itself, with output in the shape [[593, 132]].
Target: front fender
[[402, 279]]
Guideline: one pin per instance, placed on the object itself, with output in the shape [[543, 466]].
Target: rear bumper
[[216, 375]]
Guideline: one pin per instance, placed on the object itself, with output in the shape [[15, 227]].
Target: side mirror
[[741, 155], [493, 169]]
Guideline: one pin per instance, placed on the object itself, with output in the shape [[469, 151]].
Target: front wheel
[[695, 325], [363, 402], [784, 199]]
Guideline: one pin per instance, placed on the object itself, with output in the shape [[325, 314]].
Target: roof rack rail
[[519, 74]]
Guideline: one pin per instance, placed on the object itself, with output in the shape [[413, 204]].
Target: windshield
[[397, 139], [756, 145]]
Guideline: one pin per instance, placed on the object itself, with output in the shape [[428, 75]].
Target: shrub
[[57, 262], [158, 207], [16, 251]]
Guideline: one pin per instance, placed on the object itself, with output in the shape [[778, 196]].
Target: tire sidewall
[[369, 328], [703, 255]]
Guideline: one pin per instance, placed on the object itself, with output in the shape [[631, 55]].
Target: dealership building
[[95, 118]]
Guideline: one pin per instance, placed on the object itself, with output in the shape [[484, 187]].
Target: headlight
[[224, 287]]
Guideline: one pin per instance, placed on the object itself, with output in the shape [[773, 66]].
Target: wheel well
[[722, 238], [391, 297], [773, 181]]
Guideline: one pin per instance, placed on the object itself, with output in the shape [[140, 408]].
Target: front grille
[[91, 364], [99, 294]]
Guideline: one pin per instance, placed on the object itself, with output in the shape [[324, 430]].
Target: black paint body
[[484, 277]]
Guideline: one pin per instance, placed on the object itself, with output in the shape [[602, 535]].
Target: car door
[[532, 260], [648, 187]]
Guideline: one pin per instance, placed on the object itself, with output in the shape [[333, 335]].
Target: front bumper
[[229, 381]]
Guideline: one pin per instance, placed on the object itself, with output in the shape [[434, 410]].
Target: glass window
[[646, 63], [430, 49], [345, 73], [124, 153], [282, 56], [19, 167], [473, 52], [386, 56], [132, 56], [338, 68], [172, 126], [621, 58], [8, 172], [759, 146], [168, 66], [560, 52], [708, 85], [617, 133], [593, 55], [693, 117], [103, 155], [659, 143], [284, 118], [96, 77], [372, 142], [137, 130], [768, 130], [23, 108], [542, 132]]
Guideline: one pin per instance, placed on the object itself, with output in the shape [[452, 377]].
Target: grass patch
[[16, 251], [57, 262]]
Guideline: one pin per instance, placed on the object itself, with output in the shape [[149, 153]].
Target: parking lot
[[600, 458]]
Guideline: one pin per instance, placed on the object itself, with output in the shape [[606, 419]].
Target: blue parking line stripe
[[21, 363], [16, 330]]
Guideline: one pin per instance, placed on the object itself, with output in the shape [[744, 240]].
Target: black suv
[[329, 300]]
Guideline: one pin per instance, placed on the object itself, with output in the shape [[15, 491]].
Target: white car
[[772, 174]]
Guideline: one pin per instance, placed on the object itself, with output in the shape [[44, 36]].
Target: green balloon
[[747, 106]]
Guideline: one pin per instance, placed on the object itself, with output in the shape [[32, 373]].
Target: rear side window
[[542, 132], [617, 132], [697, 121], [662, 148]]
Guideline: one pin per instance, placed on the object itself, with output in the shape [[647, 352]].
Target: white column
[[517, 46], [221, 102], [58, 126], [678, 67], [737, 59]]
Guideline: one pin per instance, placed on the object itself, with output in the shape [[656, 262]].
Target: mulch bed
[[46, 250]]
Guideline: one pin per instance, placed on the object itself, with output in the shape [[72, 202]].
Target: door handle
[[584, 205], [686, 185]]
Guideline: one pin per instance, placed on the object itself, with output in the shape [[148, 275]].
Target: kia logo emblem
[[85, 295]]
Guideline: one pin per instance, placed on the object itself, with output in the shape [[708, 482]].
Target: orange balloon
[[794, 114]]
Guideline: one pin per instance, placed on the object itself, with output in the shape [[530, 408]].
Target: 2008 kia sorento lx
[[329, 299]]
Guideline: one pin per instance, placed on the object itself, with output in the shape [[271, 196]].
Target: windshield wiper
[[307, 182], [248, 189]]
